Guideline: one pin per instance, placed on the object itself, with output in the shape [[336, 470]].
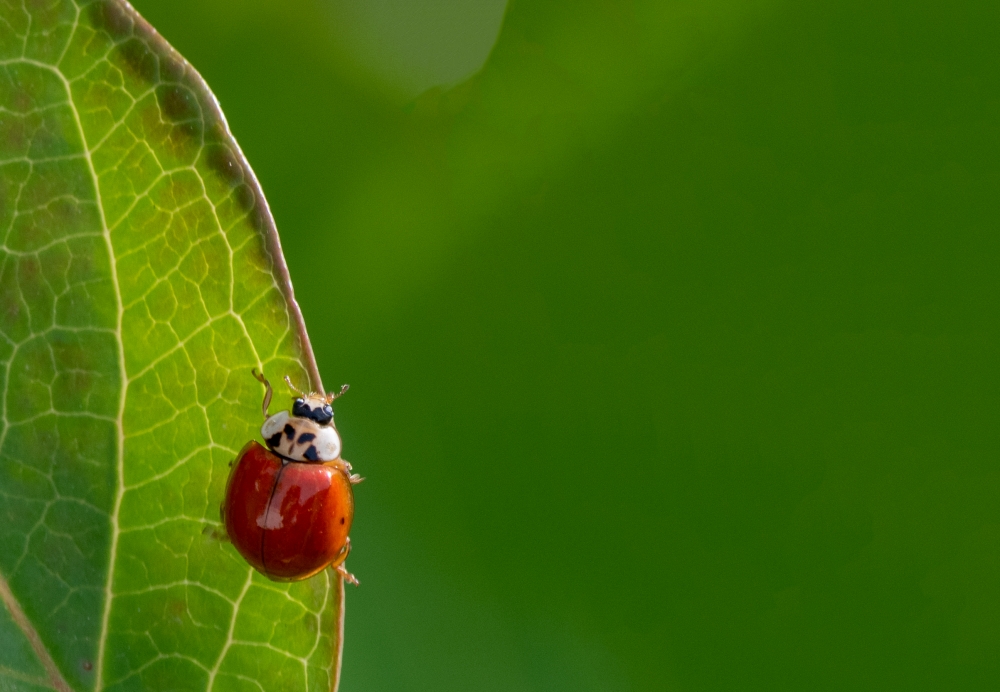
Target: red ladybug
[[289, 507]]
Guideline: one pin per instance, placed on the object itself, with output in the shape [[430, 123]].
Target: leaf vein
[[232, 626], [56, 680]]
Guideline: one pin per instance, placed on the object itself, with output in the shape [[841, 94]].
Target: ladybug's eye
[[320, 414]]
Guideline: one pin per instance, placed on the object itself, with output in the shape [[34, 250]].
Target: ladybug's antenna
[[291, 386], [343, 390], [267, 392]]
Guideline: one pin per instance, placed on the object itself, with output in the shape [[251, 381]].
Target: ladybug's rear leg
[[348, 577], [338, 564], [216, 533]]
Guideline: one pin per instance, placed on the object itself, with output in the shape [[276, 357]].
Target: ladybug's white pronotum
[[306, 434]]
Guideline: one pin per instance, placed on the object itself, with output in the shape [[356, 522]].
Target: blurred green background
[[672, 332]]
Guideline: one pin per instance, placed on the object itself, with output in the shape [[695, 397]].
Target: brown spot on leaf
[[173, 68], [257, 218], [178, 103], [216, 128], [177, 609], [111, 17], [141, 59], [190, 129], [245, 197], [222, 160], [15, 138]]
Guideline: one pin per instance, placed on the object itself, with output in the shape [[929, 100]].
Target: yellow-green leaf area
[[140, 281]]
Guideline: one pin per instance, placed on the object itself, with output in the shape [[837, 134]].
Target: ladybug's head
[[315, 407]]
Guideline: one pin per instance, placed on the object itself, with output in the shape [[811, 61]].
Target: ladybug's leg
[[338, 564], [216, 533], [348, 577], [353, 477], [267, 391]]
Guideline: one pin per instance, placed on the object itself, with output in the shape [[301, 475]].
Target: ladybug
[[289, 506]]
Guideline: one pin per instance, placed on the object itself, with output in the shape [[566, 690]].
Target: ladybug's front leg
[[267, 390], [338, 564]]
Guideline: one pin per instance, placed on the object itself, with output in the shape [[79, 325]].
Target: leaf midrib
[[122, 374], [58, 681], [123, 383]]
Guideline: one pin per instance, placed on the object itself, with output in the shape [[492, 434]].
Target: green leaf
[[140, 280]]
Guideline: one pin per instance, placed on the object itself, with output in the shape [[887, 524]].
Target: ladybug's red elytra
[[289, 506]]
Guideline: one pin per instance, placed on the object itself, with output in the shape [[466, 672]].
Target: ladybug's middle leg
[[353, 477]]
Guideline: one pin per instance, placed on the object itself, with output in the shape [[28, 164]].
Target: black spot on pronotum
[[274, 440], [140, 58], [177, 103], [112, 17], [290, 431], [306, 437], [310, 454], [342, 520]]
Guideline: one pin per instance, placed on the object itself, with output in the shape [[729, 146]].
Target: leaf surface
[[140, 280]]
